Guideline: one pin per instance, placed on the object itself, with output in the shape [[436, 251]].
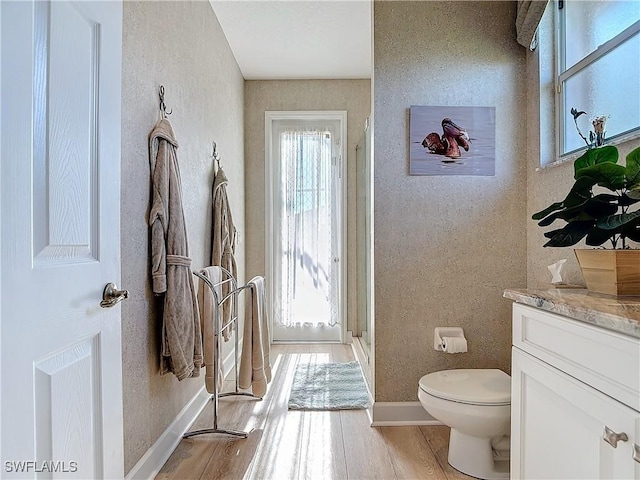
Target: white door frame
[[341, 116], [1, 160]]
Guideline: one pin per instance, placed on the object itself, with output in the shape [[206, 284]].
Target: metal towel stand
[[219, 328]]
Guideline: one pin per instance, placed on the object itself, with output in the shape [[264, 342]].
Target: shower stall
[[364, 259]]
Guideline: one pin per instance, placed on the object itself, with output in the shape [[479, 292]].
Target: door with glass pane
[[305, 256]]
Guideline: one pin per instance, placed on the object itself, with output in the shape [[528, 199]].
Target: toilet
[[476, 404]]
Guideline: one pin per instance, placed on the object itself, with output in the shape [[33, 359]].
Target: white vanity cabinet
[[574, 386]]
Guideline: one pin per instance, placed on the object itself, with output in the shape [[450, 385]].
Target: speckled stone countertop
[[620, 314]]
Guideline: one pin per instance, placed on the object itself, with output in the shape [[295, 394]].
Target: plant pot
[[613, 272]]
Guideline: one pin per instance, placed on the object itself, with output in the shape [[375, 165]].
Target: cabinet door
[[558, 423]]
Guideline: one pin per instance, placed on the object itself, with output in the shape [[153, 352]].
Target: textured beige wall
[[354, 96], [180, 45], [445, 247], [544, 186]]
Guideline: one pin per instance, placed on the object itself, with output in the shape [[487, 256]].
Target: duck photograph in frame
[[452, 140]]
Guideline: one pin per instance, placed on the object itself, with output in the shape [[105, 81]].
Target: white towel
[[255, 365], [207, 304]]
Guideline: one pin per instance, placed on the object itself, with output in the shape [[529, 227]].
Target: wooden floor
[[306, 445]]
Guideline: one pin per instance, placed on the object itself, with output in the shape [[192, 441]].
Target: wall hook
[[163, 106], [215, 154]]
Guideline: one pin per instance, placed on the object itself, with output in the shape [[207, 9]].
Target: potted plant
[[602, 208]]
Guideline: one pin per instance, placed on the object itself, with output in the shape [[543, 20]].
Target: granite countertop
[[620, 314]]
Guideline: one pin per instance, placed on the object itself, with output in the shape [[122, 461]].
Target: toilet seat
[[469, 386]]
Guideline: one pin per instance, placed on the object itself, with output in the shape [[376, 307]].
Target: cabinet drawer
[[608, 361]]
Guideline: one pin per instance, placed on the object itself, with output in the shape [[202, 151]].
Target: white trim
[[370, 415], [153, 460], [344, 241], [401, 414], [348, 339], [562, 74], [599, 52], [341, 116], [360, 356], [575, 154], [371, 196], [1, 251], [268, 217], [365, 364], [558, 59], [359, 352], [371, 284]]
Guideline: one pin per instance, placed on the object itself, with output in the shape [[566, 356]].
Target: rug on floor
[[328, 386]]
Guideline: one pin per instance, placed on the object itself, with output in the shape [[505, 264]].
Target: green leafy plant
[[608, 214]]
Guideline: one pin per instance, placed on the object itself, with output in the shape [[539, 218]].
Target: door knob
[[111, 296], [636, 452], [612, 438]]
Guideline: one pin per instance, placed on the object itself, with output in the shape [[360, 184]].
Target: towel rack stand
[[232, 296]]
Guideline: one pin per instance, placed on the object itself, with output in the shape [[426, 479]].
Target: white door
[[61, 361], [306, 217], [558, 426]]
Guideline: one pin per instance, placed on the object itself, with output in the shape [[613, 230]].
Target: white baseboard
[[370, 415], [153, 460], [397, 414]]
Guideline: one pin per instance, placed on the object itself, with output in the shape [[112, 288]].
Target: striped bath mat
[[328, 386]]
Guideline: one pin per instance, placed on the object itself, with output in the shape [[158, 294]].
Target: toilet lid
[[472, 386]]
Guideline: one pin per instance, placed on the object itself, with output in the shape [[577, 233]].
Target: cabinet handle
[[612, 438], [636, 452]]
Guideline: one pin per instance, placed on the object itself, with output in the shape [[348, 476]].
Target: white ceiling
[[298, 39]]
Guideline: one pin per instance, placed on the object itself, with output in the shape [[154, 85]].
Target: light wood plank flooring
[[293, 444]]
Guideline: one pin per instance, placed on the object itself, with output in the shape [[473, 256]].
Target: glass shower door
[[363, 239]]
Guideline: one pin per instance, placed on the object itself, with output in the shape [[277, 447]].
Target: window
[[598, 69]]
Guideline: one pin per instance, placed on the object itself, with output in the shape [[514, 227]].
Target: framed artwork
[[452, 140]]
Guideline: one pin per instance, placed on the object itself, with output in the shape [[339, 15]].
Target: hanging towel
[[208, 305], [255, 365], [223, 241], [181, 351]]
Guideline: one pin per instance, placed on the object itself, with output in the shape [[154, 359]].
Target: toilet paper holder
[[445, 332]]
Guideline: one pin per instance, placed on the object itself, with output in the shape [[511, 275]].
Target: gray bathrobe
[[223, 242], [170, 262]]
